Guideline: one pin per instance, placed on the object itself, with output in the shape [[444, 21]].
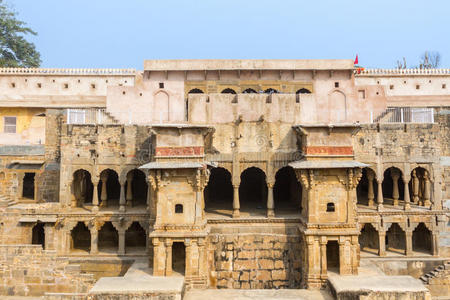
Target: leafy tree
[[15, 50]]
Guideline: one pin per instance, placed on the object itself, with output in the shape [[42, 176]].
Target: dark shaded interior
[[81, 237]]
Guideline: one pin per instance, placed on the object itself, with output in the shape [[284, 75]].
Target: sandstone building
[[234, 173]]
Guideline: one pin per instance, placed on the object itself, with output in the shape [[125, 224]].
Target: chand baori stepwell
[[228, 174]]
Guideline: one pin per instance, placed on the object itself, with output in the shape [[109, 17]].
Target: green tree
[[15, 50]]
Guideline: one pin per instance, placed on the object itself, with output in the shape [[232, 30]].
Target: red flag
[[356, 60]]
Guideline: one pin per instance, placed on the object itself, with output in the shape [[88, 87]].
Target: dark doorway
[[81, 237], [112, 187], [218, 193], [388, 184], [368, 239], [108, 238], [139, 188], [333, 256], [135, 238], [396, 239], [422, 239], [82, 187], [28, 186], [38, 235], [287, 192], [179, 257], [253, 191]]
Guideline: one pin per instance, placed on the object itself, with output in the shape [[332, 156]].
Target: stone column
[[236, 205], [68, 245], [149, 199], [94, 239], [406, 193], [342, 265], [355, 254], [427, 190], [270, 203], [168, 244], [415, 187], [159, 258], [380, 194], [129, 196], [95, 197], [370, 193], [408, 247], [73, 194], [202, 264], [104, 193], [381, 242], [188, 263], [122, 197], [395, 175], [323, 257], [121, 232], [435, 243]]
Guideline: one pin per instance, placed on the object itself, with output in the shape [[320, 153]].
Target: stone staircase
[[6, 201], [196, 282], [439, 271]]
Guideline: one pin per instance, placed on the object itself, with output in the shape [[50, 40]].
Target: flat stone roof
[[176, 165], [248, 64], [326, 164]]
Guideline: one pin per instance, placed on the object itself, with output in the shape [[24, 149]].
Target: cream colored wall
[[30, 128]]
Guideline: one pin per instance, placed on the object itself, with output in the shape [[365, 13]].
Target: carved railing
[[56, 71], [416, 71]]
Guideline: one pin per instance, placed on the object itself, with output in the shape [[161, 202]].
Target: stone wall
[[28, 270], [255, 261]]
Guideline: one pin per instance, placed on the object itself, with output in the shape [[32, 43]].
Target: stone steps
[[436, 272], [6, 201]]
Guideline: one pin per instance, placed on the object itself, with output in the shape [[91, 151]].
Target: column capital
[[168, 243]]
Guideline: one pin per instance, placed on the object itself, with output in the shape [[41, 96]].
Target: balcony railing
[[405, 115], [89, 116]]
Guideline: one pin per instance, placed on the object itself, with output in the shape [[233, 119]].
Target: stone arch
[[82, 187], [81, 237], [337, 106], [196, 91], [271, 91], [392, 185], [228, 91], [249, 91], [367, 187], [422, 239], [161, 107], [420, 186], [108, 238], [303, 91], [109, 188], [253, 191], [135, 238], [287, 191], [368, 238], [218, 194], [396, 238], [136, 188]]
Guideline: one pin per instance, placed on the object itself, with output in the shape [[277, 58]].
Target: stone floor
[[229, 294]]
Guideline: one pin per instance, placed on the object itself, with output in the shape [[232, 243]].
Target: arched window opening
[[179, 208], [420, 187], [108, 238], [178, 258], [366, 188], [249, 91], [330, 207], [82, 187], [422, 239], [136, 188], [253, 192], [218, 193], [81, 238], [393, 186], [38, 235], [333, 256], [287, 192], [28, 186], [271, 91], [109, 188], [195, 91], [228, 91], [396, 239], [368, 239], [303, 91], [135, 238]]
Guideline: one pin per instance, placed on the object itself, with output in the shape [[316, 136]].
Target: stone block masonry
[[258, 261], [28, 270]]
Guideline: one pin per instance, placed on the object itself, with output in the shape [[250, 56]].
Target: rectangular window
[[9, 125], [362, 94]]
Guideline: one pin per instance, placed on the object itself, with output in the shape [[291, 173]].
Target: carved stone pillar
[[415, 187], [95, 197], [73, 194], [380, 193], [94, 239], [129, 196], [236, 205], [202, 264], [270, 202], [427, 190], [104, 193], [395, 175], [323, 258], [122, 197], [168, 243], [342, 265], [434, 243], [381, 242], [159, 258], [121, 232], [408, 247], [370, 193], [406, 193], [149, 198]]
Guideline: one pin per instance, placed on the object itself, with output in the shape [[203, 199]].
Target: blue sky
[[121, 34]]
